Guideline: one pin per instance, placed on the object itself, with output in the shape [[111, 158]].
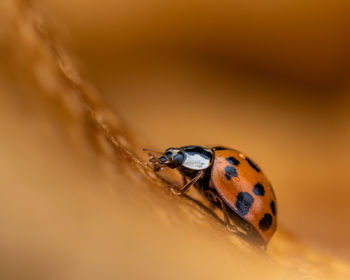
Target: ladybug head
[[171, 158]]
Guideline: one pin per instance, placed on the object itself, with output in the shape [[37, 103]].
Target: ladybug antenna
[[148, 150]]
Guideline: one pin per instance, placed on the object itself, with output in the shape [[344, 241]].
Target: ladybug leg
[[184, 180], [179, 191], [229, 226], [214, 197]]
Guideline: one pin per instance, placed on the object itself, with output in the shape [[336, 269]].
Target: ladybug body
[[230, 180]]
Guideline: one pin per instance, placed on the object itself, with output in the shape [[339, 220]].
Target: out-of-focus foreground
[[269, 80]]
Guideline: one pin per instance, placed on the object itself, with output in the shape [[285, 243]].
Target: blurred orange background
[[270, 78]]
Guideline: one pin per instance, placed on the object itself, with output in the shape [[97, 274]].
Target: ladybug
[[231, 181]]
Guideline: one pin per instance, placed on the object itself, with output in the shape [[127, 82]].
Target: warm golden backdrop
[[270, 78]]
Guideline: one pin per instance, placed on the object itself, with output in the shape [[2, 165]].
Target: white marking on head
[[196, 162]]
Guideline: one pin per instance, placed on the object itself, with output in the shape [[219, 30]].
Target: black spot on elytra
[[273, 207], [266, 222], [253, 164], [244, 202], [259, 189], [232, 160], [230, 171]]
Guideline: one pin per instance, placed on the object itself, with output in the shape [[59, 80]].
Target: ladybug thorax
[[196, 161], [192, 157]]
